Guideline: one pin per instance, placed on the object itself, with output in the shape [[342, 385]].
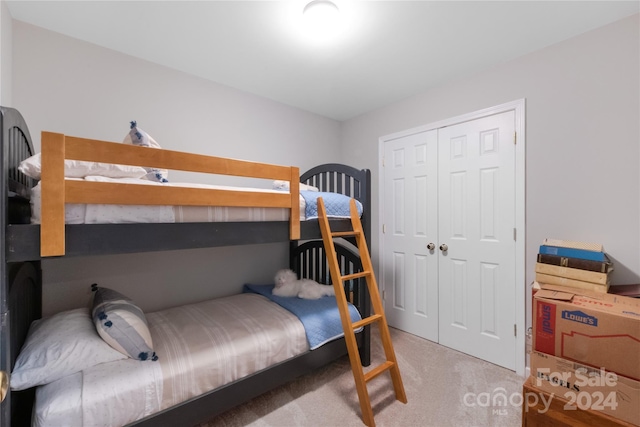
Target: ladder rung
[[345, 233], [366, 321], [355, 275], [378, 370]]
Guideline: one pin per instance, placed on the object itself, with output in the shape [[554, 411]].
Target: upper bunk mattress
[[117, 214]]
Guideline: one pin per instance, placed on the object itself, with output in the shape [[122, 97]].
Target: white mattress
[[111, 214], [200, 347]]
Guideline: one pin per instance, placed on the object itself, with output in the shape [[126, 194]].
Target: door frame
[[518, 106]]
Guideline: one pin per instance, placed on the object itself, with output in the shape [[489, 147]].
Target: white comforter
[[200, 346]]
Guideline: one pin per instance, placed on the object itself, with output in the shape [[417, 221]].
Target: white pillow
[[32, 167], [284, 186], [60, 345], [137, 136]]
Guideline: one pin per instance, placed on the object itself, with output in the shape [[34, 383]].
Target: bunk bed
[[26, 244]]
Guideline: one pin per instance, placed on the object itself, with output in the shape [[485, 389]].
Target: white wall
[[6, 37], [583, 179], [583, 138], [64, 85]]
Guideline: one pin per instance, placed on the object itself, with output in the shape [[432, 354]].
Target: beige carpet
[[444, 388]]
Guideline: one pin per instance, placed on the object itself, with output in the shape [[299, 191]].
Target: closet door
[[452, 189], [476, 223], [409, 267]]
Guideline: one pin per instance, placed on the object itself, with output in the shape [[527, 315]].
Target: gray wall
[[582, 135], [583, 143], [6, 47], [65, 85]]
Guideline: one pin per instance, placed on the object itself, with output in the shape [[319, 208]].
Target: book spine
[[573, 253], [597, 247], [572, 283], [572, 273], [583, 264]]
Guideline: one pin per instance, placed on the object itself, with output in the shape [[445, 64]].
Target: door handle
[[431, 246], [4, 385], [444, 247]]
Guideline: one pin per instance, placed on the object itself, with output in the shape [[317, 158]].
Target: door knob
[[444, 247], [4, 385], [431, 246]]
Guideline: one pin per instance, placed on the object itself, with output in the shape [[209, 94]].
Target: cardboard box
[[587, 388], [592, 328]]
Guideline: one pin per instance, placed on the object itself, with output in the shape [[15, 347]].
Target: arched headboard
[[20, 283], [309, 260]]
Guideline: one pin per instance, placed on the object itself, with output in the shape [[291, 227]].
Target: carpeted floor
[[444, 388]]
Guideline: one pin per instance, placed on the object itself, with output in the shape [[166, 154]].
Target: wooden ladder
[[391, 364]]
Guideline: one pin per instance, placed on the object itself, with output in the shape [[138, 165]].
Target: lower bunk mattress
[[200, 347]]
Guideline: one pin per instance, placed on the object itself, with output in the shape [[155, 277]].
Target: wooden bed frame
[[56, 191], [26, 244]]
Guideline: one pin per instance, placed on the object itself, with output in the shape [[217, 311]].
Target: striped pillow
[[122, 324]]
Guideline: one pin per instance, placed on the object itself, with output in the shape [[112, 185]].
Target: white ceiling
[[389, 50]]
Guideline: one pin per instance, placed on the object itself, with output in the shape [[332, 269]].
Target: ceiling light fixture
[[321, 8], [321, 18]]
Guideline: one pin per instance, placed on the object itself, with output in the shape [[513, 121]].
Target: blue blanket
[[336, 205], [320, 317]]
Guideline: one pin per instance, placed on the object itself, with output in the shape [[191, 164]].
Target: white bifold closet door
[[448, 247]]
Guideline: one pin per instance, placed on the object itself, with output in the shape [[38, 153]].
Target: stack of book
[[573, 264]]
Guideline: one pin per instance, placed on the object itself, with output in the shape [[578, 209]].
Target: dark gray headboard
[[347, 180], [20, 283], [15, 146]]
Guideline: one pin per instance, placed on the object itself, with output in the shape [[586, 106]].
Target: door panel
[[409, 269], [476, 200]]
